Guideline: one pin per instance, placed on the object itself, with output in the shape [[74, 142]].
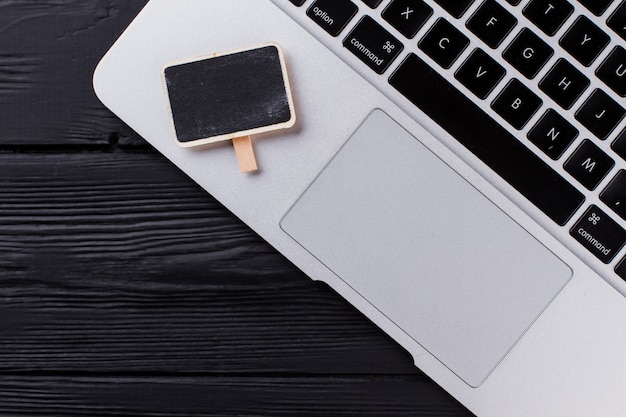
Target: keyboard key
[[614, 195], [332, 15], [584, 41], [617, 21], [486, 139], [548, 15], [513, 2], [480, 73], [298, 2], [564, 84], [444, 43], [373, 45], [491, 23], [527, 53], [597, 7], [613, 71], [600, 234], [589, 164], [620, 269], [553, 134], [619, 146], [516, 104], [407, 16], [600, 114], [372, 3], [455, 7]]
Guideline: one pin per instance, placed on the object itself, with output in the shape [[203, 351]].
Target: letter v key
[[480, 73]]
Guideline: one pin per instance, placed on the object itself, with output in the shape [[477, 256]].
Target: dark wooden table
[[126, 290]]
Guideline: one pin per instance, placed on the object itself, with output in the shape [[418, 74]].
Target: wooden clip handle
[[245, 154]]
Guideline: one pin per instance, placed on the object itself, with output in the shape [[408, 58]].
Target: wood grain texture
[[125, 265], [48, 52], [224, 396], [126, 290], [116, 264]]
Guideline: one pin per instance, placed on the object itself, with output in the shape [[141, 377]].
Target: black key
[[564, 83], [613, 71], [614, 195], [513, 2], [491, 23], [553, 134], [444, 43], [600, 114], [548, 15], [372, 44], [527, 53], [584, 40], [619, 146], [480, 73], [596, 7], [600, 234], [620, 269], [589, 164], [298, 2], [617, 21], [455, 7], [407, 16], [516, 104], [332, 15], [372, 3], [486, 139]]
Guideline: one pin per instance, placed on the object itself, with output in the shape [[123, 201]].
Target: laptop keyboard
[[552, 73]]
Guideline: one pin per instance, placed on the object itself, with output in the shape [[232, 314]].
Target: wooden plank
[[189, 326], [117, 262], [102, 205], [48, 52], [225, 396]]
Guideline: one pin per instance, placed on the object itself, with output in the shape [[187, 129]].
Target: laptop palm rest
[[425, 248]]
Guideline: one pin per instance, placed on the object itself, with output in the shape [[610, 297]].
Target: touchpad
[[426, 248]]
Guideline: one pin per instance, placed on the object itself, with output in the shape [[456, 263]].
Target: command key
[[600, 234], [372, 44]]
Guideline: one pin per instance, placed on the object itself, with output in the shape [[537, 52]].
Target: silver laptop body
[[500, 277]]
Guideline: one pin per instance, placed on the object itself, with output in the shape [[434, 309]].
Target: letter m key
[[589, 164]]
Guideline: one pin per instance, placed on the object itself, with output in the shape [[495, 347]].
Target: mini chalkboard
[[230, 95]]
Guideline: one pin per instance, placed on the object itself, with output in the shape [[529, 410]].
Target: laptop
[[456, 171]]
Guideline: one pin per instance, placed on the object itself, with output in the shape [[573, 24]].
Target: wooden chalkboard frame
[[239, 134]]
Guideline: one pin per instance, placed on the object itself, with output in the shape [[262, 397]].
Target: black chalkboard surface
[[229, 95]]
